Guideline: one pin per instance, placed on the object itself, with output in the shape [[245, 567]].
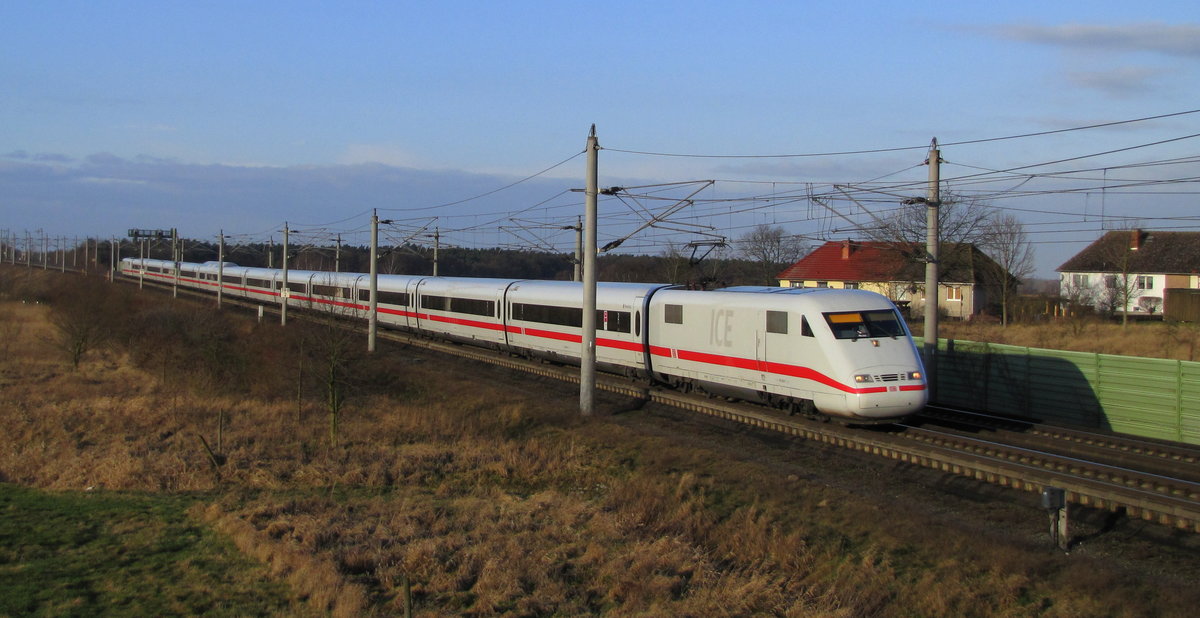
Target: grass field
[[484, 491], [83, 553]]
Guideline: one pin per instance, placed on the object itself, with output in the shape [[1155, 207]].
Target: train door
[[774, 342]]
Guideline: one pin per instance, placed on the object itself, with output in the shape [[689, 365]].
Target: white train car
[[462, 309], [847, 352], [394, 300], [545, 319]]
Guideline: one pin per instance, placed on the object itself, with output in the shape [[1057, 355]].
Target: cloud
[[1173, 40], [1120, 81], [48, 157], [104, 194], [379, 153]]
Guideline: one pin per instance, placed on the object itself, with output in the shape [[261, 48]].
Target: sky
[[471, 117]]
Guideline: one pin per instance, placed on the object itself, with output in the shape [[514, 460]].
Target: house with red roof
[[969, 281]]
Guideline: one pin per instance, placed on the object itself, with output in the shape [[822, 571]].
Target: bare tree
[[1122, 285], [1150, 304], [1005, 242], [674, 263], [333, 351], [82, 316], [772, 248], [960, 220]]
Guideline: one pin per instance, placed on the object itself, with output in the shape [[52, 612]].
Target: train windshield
[[859, 324]]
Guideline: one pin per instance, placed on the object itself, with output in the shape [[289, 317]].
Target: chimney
[[846, 249], [1135, 239]]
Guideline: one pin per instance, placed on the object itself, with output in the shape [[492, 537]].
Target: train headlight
[[913, 375], [863, 378]]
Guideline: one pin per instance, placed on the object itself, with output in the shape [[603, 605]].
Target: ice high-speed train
[[843, 353]]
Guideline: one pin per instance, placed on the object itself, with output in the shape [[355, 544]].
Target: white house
[[1130, 270]]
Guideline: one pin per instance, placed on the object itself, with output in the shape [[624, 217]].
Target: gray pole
[[175, 258], [932, 202], [587, 354], [142, 264], [437, 241], [337, 255], [45, 250], [373, 316], [220, 268], [271, 252], [579, 250], [285, 291], [62, 254]]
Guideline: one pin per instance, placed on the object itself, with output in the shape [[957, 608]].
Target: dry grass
[[494, 501], [1152, 339]]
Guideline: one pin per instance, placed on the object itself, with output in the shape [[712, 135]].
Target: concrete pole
[[579, 250], [45, 250], [587, 353], [220, 267], [62, 254], [337, 255], [142, 265], [373, 316], [437, 241], [284, 291], [932, 202], [175, 259]]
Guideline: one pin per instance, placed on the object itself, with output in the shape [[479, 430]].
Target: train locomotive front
[[846, 353]]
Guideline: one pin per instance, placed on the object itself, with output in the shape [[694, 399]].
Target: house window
[[1145, 282], [953, 293], [822, 284], [851, 285], [1110, 282], [1079, 281]]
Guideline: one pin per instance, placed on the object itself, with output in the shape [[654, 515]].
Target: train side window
[[390, 298], [437, 303], [673, 314], [637, 323], [805, 329], [473, 306], [547, 314], [618, 321], [777, 322]]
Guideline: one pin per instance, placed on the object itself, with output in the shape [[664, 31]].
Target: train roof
[[814, 299]]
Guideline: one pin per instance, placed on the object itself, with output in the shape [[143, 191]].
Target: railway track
[[1157, 482], [1159, 457]]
